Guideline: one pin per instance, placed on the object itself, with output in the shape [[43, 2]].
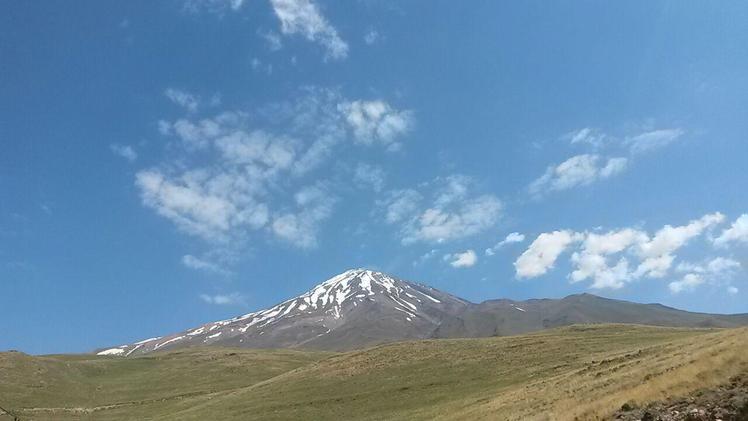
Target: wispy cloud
[[451, 213], [612, 156], [302, 17], [511, 238], [371, 36], [314, 205], [371, 176], [719, 270], [272, 39], [654, 139], [425, 257], [235, 176], [643, 141], [579, 170], [213, 6], [233, 298], [377, 122], [589, 136], [189, 101], [203, 264], [259, 66], [184, 99], [124, 151]]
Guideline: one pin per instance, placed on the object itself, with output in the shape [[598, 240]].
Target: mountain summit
[[362, 307]]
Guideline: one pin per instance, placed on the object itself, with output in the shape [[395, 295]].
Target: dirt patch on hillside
[[727, 402]]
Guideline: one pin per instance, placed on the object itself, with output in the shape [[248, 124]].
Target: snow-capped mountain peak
[[356, 285], [334, 306]]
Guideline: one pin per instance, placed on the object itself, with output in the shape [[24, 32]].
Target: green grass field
[[581, 372]]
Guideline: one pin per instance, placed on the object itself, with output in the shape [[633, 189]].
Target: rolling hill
[[573, 372]]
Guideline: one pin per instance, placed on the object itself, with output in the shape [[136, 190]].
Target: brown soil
[[727, 402]]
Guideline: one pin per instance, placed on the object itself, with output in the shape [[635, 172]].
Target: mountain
[[360, 308], [354, 309], [507, 317]]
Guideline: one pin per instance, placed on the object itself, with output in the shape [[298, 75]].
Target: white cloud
[[184, 99], [688, 283], [376, 122], [575, 171], [296, 16], [259, 66], [125, 151], [367, 175], [719, 266], [613, 167], [738, 232], [511, 238], [371, 37], [654, 139], [585, 169], [303, 17], [271, 153], [300, 228], [543, 252], [592, 262], [717, 271], [198, 263], [401, 205], [218, 7], [642, 142], [598, 256], [451, 214], [579, 170], [272, 39], [440, 224], [426, 256], [588, 135], [514, 237], [233, 298], [657, 253], [732, 290], [465, 259], [722, 266], [200, 134], [233, 175], [199, 205], [320, 150]]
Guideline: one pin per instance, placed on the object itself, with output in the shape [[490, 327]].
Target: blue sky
[[170, 163]]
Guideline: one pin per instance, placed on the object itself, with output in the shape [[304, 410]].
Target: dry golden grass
[[578, 372], [653, 373]]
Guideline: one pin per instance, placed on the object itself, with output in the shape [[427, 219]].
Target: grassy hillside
[[78, 382], [579, 371]]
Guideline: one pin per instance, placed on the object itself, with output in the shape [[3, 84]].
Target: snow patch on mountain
[[112, 351]]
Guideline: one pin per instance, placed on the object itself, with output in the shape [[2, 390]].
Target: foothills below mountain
[[360, 308]]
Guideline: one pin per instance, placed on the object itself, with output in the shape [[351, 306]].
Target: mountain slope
[[360, 308], [356, 308]]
